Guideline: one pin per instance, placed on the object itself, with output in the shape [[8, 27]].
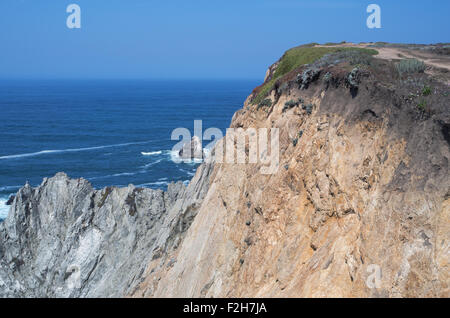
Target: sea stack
[[192, 149]]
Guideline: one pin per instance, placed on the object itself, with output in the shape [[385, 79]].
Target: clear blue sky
[[194, 38]]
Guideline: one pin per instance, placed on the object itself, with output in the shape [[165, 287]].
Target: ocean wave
[[123, 174], [175, 157], [4, 209], [43, 152], [8, 188], [151, 153], [192, 162], [171, 155], [151, 164], [187, 172], [115, 175], [156, 183]]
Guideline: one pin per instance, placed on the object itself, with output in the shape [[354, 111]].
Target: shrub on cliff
[[356, 57], [422, 105], [302, 55], [308, 108], [265, 103], [307, 77], [426, 91], [327, 78], [410, 66], [282, 88], [289, 104], [353, 78]]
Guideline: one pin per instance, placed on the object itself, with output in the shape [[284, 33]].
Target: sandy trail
[[429, 59], [386, 53]]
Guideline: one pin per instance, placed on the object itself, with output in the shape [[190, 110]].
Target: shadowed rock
[[10, 200]]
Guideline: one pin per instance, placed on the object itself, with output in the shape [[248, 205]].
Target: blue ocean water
[[98, 129]]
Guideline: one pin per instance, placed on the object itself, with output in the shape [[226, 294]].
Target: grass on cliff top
[[297, 57]]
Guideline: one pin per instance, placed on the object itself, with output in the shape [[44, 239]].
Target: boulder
[[10, 200]]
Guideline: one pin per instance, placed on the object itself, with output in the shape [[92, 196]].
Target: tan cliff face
[[359, 206]]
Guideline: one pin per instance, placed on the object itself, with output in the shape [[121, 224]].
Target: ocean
[[110, 132]]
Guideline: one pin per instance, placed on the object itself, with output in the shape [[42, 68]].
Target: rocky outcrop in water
[[192, 149]]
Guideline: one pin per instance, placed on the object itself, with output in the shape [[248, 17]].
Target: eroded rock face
[[359, 206], [65, 239]]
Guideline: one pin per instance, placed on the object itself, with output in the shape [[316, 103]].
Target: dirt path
[[438, 65], [398, 53], [428, 59]]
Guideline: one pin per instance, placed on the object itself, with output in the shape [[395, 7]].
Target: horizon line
[[128, 78]]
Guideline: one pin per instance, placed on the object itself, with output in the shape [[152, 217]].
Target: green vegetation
[[265, 103], [289, 104], [355, 57], [422, 105], [308, 108], [426, 91], [410, 66], [297, 57], [334, 43], [327, 78], [295, 140]]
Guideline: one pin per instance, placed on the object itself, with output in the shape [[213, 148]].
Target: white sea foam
[[115, 175], [151, 153], [8, 188], [174, 155], [192, 161], [4, 209], [157, 183], [187, 172], [43, 152], [152, 163]]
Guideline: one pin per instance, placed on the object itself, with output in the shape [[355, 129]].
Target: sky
[[193, 39]]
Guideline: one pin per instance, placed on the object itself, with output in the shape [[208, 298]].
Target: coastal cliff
[[65, 239], [362, 188]]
